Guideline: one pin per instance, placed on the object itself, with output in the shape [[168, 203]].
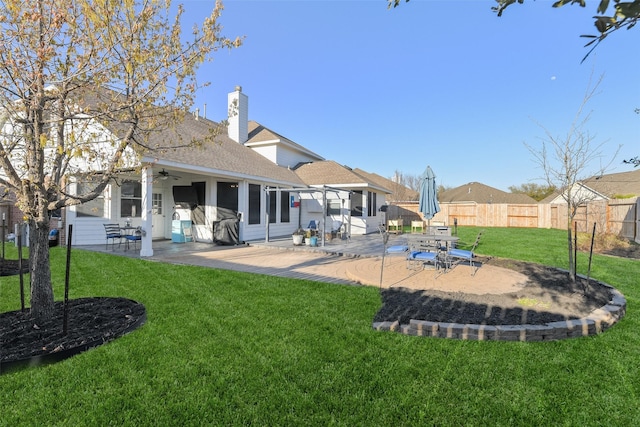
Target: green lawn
[[227, 348]]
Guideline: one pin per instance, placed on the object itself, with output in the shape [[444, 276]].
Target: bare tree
[[71, 68], [404, 187], [566, 161]]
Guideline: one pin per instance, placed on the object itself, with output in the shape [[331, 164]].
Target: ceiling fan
[[164, 175]]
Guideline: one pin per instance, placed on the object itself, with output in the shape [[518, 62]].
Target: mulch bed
[[10, 267], [91, 322]]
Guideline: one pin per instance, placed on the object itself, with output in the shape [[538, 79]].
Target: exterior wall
[[290, 158], [268, 151]]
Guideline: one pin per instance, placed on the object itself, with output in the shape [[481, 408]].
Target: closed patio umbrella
[[428, 201]]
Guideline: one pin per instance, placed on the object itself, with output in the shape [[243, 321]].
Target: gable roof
[[261, 135], [333, 174], [622, 183], [481, 193], [605, 186], [405, 193], [218, 154]]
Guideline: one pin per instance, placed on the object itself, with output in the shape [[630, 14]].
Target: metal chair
[[113, 232], [464, 255], [135, 238], [421, 252]]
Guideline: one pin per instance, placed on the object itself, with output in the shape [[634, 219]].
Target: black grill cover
[[226, 230]]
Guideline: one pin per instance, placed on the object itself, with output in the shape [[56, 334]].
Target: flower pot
[[297, 239], [314, 240]]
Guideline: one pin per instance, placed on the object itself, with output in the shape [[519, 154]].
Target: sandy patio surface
[[319, 266]]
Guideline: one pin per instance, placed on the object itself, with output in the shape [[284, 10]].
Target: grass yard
[[227, 348]]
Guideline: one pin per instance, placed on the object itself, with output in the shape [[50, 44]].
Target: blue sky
[[440, 83]]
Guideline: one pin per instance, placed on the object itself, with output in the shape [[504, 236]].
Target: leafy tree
[[621, 14], [635, 161], [533, 190], [566, 160], [68, 63]]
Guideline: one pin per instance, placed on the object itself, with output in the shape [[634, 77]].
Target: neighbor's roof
[[481, 193], [615, 184], [622, 183], [333, 174]]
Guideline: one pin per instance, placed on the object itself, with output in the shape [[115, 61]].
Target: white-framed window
[[95, 208], [131, 199]]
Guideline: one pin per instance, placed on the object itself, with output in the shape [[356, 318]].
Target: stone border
[[598, 321]]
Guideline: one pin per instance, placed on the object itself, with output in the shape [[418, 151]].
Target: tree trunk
[[39, 267], [572, 269]]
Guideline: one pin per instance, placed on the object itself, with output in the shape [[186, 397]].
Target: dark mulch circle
[[10, 267], [548, 296], [91, 322]]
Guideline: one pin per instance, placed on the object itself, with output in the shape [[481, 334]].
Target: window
[[372, 202], [93, 208], [130, 199], [356, 203], [284, 206], [228, 195], [334, 207], [254, 204], [273, 198]]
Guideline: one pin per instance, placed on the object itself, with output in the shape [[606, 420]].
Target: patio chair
[[422, 252], [464, 255], [135, 238], [113, 232]]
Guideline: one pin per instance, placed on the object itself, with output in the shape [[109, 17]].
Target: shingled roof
[[405, 193], [616, 184], [333, 174], [217, 154], [481, 193]]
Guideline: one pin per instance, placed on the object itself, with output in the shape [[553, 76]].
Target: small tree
[[565, 161], [70, 67]]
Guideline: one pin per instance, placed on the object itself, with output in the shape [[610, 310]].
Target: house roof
[[616, 184], [404, 193], [333, 174], [481, 193], [259, 135], [217, 153], [625, 184]]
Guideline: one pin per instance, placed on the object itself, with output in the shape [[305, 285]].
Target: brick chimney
[[238, 116]]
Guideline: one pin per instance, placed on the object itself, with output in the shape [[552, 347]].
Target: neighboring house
[[602, 187], [481, 193], [247, 171]]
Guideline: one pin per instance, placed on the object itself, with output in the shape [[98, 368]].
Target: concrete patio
[[357, 261]]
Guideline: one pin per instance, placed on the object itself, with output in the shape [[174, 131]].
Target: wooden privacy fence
[[620, 217]]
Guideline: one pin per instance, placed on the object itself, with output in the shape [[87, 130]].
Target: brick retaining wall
[[596, 322]]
